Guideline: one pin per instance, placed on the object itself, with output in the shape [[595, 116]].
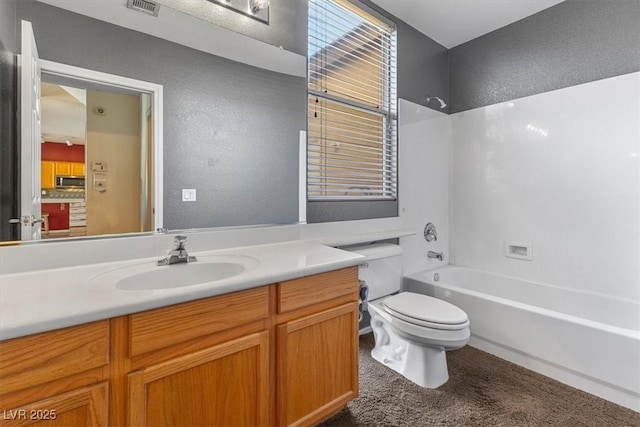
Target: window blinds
[[351, 138]]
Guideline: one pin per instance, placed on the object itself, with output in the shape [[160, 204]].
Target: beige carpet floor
[[482, 390]]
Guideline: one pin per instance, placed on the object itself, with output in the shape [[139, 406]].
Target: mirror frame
[[155, 90]]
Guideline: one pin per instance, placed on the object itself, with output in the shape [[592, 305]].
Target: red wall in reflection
[[58, 215], [62, 152]]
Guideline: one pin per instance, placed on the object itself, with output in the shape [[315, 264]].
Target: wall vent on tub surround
[[149, 7]]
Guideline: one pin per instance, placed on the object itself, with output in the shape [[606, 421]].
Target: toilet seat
[[450, 339], [426, 311]]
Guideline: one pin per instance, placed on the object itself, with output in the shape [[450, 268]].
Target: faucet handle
[[430, 233], [180, 241]]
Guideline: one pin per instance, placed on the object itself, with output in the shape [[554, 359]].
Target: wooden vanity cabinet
[[284, 354], [317, 351], [57, 378], [201, 363]]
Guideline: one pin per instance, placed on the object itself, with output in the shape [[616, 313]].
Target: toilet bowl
[[412, 331]]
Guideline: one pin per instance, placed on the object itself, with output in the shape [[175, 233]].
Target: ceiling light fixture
[[255, 9], [258, 5], [68, 142]]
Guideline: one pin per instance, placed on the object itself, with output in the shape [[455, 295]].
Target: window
[[352, 121]]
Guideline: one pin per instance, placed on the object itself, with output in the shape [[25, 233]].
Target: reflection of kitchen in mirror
[[95, 160]]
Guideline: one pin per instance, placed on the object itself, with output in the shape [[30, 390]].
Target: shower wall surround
[[559, 170], [424, 182]]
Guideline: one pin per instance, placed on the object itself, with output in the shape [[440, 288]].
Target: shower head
[[442, 103]]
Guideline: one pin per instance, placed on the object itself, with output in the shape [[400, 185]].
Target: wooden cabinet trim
[[321, 306], [118, 369], [52, 388], [311, 290], [94, 398], [283, 336], [329, 409], [138, 380], [155, 329], [41, 358], [313, 319], [188, 361], [194, 345]]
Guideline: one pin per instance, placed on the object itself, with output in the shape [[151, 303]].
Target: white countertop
[[44, 300]]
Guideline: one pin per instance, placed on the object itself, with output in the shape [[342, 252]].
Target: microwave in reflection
[[65, 182]]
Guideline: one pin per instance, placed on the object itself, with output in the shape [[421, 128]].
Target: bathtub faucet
[[436, 255]]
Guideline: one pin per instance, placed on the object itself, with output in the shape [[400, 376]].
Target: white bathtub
[[589, 341]]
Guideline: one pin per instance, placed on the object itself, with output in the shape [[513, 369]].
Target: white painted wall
[[424, 145], [559, 170]]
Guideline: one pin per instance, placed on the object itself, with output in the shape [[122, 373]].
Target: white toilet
[[412, 331]]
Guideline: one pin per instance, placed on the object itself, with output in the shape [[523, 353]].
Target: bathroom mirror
[[231, 130]]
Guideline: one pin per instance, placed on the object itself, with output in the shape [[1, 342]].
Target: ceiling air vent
[[149, 7]]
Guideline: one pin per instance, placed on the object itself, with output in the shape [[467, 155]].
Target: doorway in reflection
[[96, 159]]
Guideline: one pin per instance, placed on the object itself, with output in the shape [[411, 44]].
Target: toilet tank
[[381, 269]]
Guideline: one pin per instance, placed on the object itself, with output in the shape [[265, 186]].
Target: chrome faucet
[[436, 255], [430, 233], [178, 254]]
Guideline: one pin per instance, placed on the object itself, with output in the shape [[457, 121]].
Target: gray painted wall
[[423, 63], [231, 131], [423, 69], [574, 42], [8, 145]]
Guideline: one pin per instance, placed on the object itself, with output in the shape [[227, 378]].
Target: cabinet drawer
[[311, 290], [155, 329], [40, 358]]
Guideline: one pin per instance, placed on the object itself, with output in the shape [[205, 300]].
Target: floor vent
[[149, 7]]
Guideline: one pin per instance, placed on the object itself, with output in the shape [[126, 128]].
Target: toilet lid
[[424, 310]]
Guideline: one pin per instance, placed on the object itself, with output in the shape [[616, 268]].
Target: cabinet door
[[63, 168], [317, 365], [224, 385], [77, 169], [48, 174], [85, 407]]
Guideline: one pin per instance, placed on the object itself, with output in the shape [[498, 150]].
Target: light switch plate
[[188, 194], [97, 166]]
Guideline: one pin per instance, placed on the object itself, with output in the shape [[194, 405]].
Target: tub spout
[[435, 255]]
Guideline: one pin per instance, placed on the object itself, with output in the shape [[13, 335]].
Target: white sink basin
[[149, 276]]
